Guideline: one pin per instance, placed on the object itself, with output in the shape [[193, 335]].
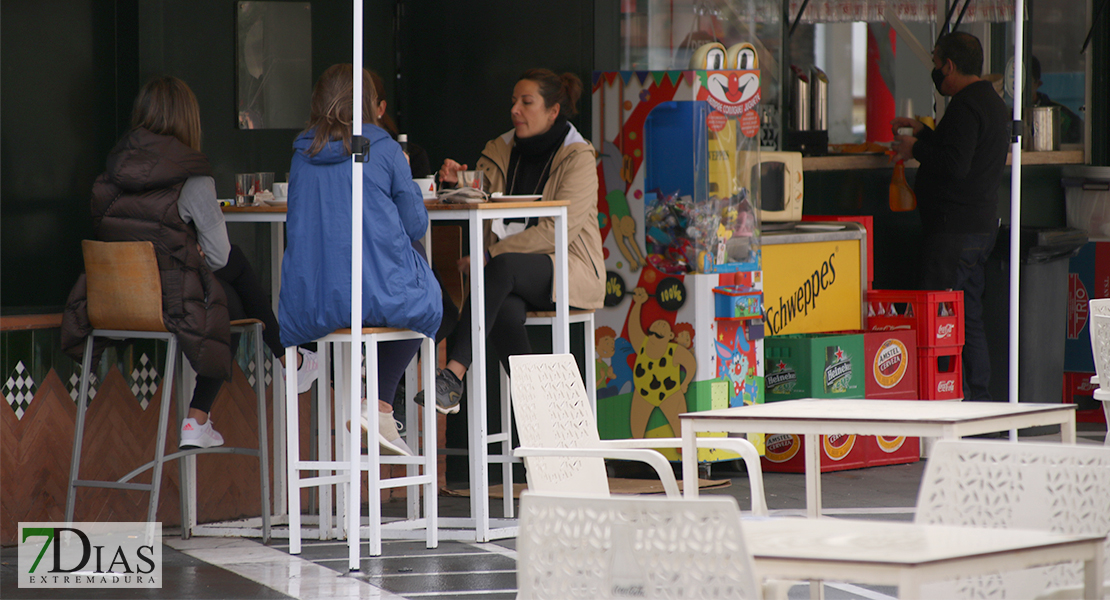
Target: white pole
[[1015, 204], [354, 506]]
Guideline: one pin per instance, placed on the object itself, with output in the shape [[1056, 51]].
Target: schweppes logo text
[[803, 299], [891, 362]]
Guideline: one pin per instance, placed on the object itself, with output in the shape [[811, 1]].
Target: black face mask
[[938, 79]]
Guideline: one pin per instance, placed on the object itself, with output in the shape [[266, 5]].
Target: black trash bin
[[1044, 254]]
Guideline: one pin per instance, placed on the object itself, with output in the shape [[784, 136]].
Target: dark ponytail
[[564, 90]]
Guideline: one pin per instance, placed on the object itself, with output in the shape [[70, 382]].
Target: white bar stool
[[503, 438], [341, 470]]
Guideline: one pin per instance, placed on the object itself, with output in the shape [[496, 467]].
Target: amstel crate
[[892, 450], [784, 453], [890, 362], [938, 317], [1079, 390], [940, 373]]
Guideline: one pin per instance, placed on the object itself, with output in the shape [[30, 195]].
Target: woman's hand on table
[[449, 172]]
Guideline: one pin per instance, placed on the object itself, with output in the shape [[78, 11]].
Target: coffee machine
[[808, 129]]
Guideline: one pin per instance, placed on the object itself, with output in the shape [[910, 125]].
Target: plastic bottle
[[902, 197], [403, 139]]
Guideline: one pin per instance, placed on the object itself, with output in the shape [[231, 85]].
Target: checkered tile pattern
[[19, 389], [144, 381], [75, 385]]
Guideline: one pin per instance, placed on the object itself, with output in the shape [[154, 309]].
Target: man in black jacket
[[957, 189]]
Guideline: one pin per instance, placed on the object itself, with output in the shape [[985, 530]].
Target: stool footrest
[[143, 487]]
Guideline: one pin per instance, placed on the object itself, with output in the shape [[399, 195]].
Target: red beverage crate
[[940, 373], [839, 453], [893, 450], [1078, 389], [921, 311], [890, 363]]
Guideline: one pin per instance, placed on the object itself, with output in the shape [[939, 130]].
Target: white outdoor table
[[814, 417], [479, 526], [908, 554], [275, 217]]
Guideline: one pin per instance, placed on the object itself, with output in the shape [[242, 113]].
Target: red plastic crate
[[925, 310], [940, 373], [1078, 389], [893, 450], [785, 453], [890, 363]]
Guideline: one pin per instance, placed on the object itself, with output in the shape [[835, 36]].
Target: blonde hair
[[331, 115], [166, 106]]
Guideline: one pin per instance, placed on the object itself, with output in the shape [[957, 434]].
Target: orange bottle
[[902, 197]]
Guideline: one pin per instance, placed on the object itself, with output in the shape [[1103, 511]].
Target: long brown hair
[[166, 106], [385, 121], [331, 114]]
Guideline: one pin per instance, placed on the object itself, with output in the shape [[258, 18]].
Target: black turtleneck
[[531, 158]]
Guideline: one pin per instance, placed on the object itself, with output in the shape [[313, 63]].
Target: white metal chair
[[344, 470], [124, 292], [1100, 347], [1002, 485], [504, 438], [592, 547], [559, 441]]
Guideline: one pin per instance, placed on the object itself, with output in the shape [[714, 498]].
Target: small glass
[[246, 184], [265, 182]]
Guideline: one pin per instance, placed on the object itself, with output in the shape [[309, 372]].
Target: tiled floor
[[243, 568]]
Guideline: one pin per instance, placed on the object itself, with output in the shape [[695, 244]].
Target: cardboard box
[[890, 362], [1088, 278], [785, 453], [814, 366]]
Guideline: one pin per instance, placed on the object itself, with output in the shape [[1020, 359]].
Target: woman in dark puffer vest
[[158, 188]]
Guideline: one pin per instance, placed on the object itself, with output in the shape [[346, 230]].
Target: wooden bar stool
[[124, 293], [503, 438], [345, 469]]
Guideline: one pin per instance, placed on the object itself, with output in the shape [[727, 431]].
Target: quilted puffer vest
[[136, 200]]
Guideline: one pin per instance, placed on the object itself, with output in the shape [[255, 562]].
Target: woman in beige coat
[[543, 154]]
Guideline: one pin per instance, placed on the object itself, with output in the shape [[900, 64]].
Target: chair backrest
[[1001, 485], [124, 287], [628, 546], [1100, 338], [553, 411]]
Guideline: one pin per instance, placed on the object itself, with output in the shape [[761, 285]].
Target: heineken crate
[[814, 366]]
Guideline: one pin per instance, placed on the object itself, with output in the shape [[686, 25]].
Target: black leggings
[[515, 284], [245, 300]]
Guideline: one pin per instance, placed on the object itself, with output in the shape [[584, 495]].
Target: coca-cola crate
[[1079, 390], [938, 317], [940, 373]]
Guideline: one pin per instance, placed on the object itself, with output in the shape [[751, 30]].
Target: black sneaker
[[448, 392]]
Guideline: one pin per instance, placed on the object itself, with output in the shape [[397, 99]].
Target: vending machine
[[682, 326]]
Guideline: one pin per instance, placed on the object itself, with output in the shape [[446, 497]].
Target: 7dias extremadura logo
[[90, 555]]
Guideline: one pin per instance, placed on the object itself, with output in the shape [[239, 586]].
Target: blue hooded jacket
[[398, 287]]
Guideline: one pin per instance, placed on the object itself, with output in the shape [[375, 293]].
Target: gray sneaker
[[448, 392]]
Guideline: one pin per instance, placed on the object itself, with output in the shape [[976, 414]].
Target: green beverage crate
[[814, 366]]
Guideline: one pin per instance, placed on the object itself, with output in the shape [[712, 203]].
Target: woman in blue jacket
[[398, 288]]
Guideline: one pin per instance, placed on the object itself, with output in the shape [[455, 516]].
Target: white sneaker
[[308, 372], [195, 435], [389, 435]]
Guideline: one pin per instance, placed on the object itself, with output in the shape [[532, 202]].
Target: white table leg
[[476, 409], [813, 475], [689, 459], [561, 331], [280, 495], [1093, 575], [1067, 432]]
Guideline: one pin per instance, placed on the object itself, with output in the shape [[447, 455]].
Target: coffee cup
[[281, 191], [427, 186]]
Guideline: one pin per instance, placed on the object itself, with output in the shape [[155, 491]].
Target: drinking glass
[[246, 184]]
